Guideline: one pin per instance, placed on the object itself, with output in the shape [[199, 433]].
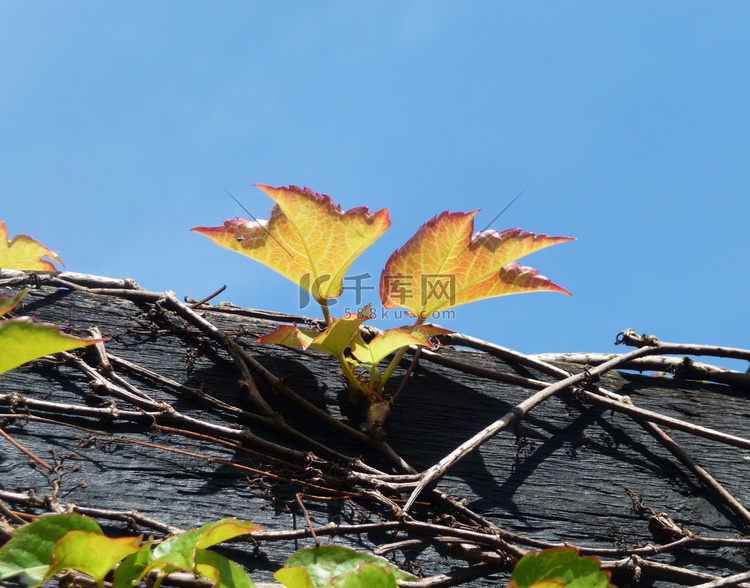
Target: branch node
[[631, 338]]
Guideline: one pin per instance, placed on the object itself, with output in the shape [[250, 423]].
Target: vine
[[409, 503]]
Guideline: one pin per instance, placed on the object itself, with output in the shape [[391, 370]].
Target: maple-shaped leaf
[[443, 266], [334, 340], [24, 253], [307, 238]]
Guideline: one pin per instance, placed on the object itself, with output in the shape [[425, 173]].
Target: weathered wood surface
[[561, 476]]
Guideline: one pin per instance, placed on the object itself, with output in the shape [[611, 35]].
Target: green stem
[[324, 306], [373, 371], [351, 380], [394, 362], [391, 367]]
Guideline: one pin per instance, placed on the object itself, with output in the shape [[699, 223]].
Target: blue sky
[[627, 125]]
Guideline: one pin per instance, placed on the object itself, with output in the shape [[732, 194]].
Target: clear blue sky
[[627, 124]]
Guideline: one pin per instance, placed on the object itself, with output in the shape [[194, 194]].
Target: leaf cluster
[[21, 339], [313, 242], [57, 543]]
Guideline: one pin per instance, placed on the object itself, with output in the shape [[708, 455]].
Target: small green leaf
[[179, 551], [392, 340], [134, 567], [220, 531], [562, 564], [22, 340], [384, 344], [337, 336], [294, 577], [28, 553], [334, 340], [91, 553], [224, 572], [366, 576], [327, 561], [542, 584]]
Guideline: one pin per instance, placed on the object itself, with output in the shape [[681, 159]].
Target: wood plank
[[560, 476]]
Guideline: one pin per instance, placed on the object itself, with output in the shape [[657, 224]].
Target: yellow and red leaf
[[291, 336], [24, 253], [308, 238], [8, 304], [334, 340], [443, 266]]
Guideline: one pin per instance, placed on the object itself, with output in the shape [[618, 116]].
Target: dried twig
[[29, 454]]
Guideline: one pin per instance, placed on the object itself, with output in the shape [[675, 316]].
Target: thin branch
[[438, 470], [307, 518], [193, 304], [683, 368], [603, 397], [26, 452], [243, 415], [733, 580], [632, 339], [706, 479]]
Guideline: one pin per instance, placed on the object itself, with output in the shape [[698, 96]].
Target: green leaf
[[337, 336], [134, 567], [366, 576], [223, 530], [179, 551], [392, 340], [384, 344], [334, 340], [294, 577], [22, 340], [562, 564], [224, 572], [542, 584], [91, 553], [327, 561], [28, 553]]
